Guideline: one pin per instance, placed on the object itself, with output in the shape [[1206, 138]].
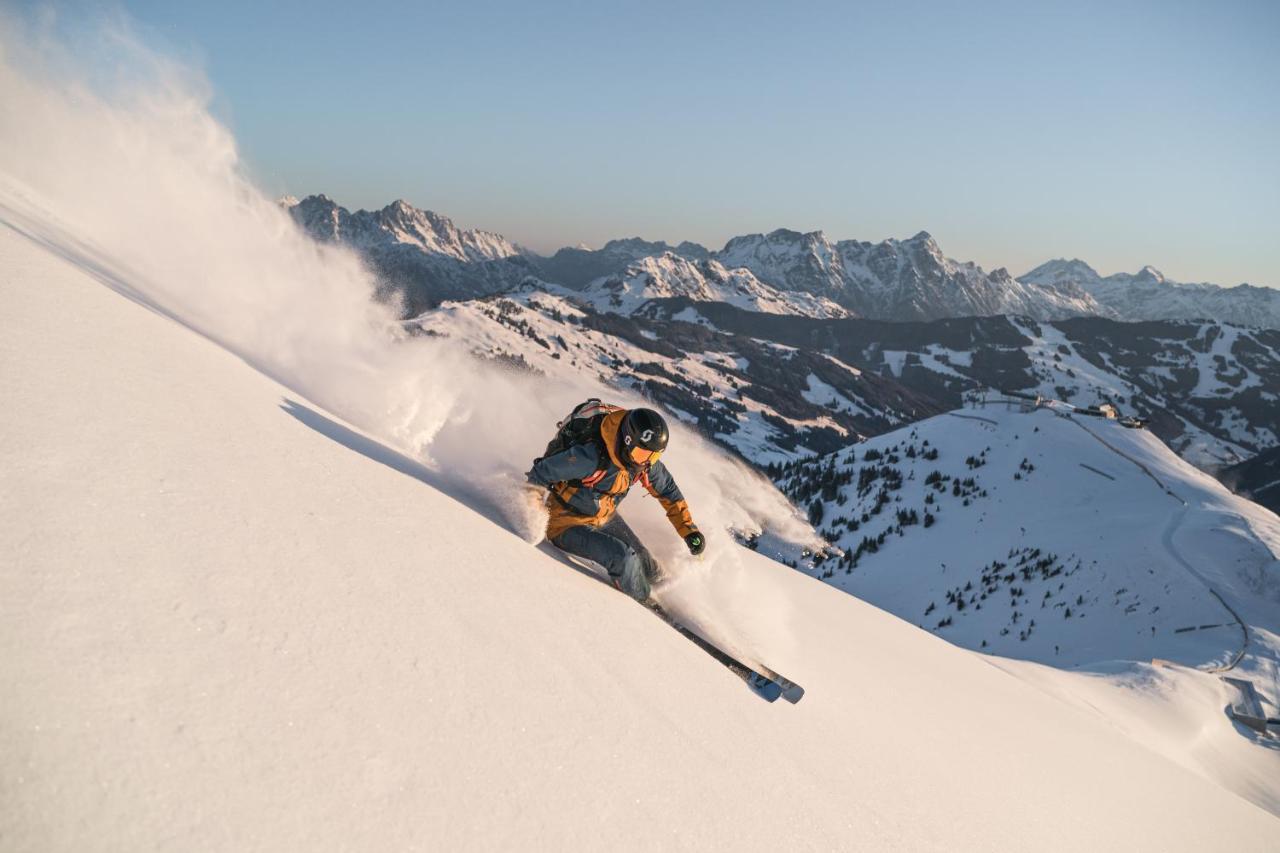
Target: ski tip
[[792, 692], [764, 688]]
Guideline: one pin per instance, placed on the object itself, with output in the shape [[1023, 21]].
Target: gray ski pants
[[615, 547]]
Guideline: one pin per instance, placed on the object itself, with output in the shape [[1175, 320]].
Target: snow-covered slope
[[1148, 295], [1069, 541], [232, 621]]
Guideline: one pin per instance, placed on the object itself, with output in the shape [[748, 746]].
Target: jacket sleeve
[[570, 464], [663, 486]]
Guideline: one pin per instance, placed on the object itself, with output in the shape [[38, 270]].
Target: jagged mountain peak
[[318, 199], [638, 247], [402, 212], [1061, 268], [672, 275], [1150, 273], [420, 253], [894, 279], [633, 243], [776, 237]]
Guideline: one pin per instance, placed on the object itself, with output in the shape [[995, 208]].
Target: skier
[[596, 456]]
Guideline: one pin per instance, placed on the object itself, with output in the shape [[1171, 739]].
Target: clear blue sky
[[1120, 133]]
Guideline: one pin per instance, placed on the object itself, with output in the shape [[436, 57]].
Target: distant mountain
[[421, 257], [896, 279], [890, 280], [577, 267], [1148, 295], [672, 275]]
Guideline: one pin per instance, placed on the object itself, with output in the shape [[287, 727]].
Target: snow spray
[[111, 158]]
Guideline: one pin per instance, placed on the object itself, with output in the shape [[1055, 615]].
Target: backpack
[[582, 426]]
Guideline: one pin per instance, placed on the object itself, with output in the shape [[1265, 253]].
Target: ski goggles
[[644, 456]]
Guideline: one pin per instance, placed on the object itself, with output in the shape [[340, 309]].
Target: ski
[[763, 681]]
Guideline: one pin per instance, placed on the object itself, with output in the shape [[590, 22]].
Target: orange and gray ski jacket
[[587, 481]]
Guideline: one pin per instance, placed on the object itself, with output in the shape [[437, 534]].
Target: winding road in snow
[[1175, 520], [1166, 539]]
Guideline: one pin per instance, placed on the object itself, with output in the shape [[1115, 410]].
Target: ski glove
[[695, 542]]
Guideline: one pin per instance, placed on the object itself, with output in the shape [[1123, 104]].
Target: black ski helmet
[[642, 428]]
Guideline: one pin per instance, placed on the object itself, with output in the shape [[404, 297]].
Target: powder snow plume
[[111, 158]]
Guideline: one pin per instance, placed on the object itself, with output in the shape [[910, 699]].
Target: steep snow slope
[[229, 620]]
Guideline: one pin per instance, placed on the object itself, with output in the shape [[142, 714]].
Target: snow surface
[[267, 581]]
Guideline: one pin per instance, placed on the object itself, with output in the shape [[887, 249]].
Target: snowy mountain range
[[671, 275], [423, 258], [579, 266], [1148, 295], [419, 256], [895, 279]]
